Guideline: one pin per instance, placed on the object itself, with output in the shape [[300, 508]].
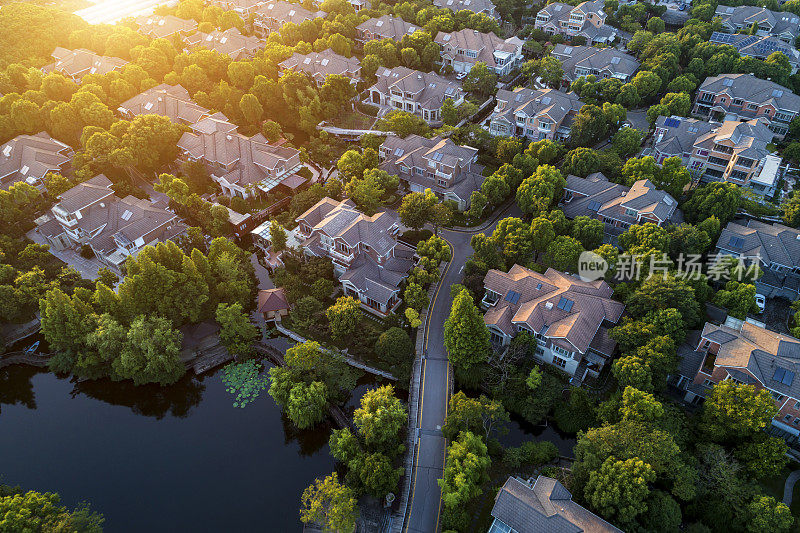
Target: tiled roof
[[31, 156], [272, 300], [85, 194], [427, 88], [320, 65], [773, 243], [485, 44], [613, 200], [286, 12], [534, 102], [171, 101], [545, 506], [750, 139], [79, 62], [476, 6], [388, 27], [746, 16], [596, 59], [537, 304], [230, 42], [377, 282], [679, 134], [752, 89], [159, 27], [759, 47]]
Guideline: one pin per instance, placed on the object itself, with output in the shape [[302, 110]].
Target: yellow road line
[[413, 488]]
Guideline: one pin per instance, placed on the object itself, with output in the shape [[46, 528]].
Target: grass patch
[[353, 120]]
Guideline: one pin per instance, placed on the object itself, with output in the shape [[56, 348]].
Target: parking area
[[776, 315]]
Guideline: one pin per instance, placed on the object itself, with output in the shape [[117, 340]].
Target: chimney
[[548, 305]]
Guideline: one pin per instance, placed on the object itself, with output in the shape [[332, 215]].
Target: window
[[472, 53], [752, 107], [717, 161], [441, 183], [738, 101], [562, 351], [560, 363], [787, 418], [797, 406], [745, 162], [723, 149], [776, 396], [708, 383]]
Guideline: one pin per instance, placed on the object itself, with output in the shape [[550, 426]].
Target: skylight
[[615, 60], [736, 241], [127, 215], [784, 376], [7, 150], [565, 304], [594, 205], [727, 82], [512, 297]]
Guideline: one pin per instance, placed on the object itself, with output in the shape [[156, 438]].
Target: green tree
[[480, 79], [588, 231], [329, 503], [640, 406], [619, 489], [735, 409], [766, 514], [37, 511], [344, 316], [402, 123], [738, 298], [237, 333], [380, 418], [466, 336], [717, 199], [395, 347], [151, 353], [464, 471], [481, 416], [581, 162], [277, 236], [537, 193], [416, 209], [307, 404], [563, 253], [762, 457]]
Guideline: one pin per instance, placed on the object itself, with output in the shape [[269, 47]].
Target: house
[[782, 25], [230, 42], [197, 339], [757, 47], [618, 206], [534, 113], [29, 158], [463, 49], [358, 5], [544, 505], [171, 101], [738, 152], [320, 65], [420, 93], [244, 8], [385, 27], [271, 16], [263, 241], [484, 7], [743, 97], [675, 137], [238, 223], [243, 166], [777, 249], [158, 27], [438, 164], [585, 20], [75, 64], [569, 318], [115, 229], [748, 353], [602, 63], [366, 256], [272, 304]]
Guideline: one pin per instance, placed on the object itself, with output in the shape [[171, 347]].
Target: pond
[[177, 458]]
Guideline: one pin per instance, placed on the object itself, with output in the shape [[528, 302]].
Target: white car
[[761, 302]]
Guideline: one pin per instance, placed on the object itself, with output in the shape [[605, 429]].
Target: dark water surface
[[180, 458]]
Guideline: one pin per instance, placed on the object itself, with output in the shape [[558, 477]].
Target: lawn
[[353, 120]]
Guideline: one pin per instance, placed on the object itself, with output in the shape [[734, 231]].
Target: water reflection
[[16, 386]]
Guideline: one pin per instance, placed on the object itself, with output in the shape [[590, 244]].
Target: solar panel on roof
[[727, 82], [615, 60], [784, 376], [512, 297], [672, 123], [398, 152], [736, 242], [594, 205], [565, 304], [777, 93], [538, 286]]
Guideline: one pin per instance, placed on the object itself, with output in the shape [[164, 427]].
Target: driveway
[[425, 502], [638, 120]]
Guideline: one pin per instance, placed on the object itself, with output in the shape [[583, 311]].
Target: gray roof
[[230, 42], [427, 88], [79, 62], [758, 47], [378, 282], [31, 156], [387, 27], [320, 65], [171, 101], [773, 243], [752, 89], [485, 44], [608, 60], [286, 12], [750, 139], [532, 102], [675, 136], [159, 27], [85, 194], [545, 506], [613, 200], [476, 6], [779, 22]]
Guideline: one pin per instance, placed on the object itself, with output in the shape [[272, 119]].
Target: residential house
[[484, 7], [570, 318], [675, 137], [262, 239], [534, 113], [171, 101], [198, 339], [758, 47], [75, 64], [738, 152], [244, 8], [463, 49], [748, 353], [243, 166], [781, 24], [618, 206], [272, 304], [29, 158], [366, 256], [743, 96], [777, 249], [358, 5], [542, 505], [230, 42], [602, 63], [115, 229], [441, 165], [271, 16], [320, 65], [584, 20], [420, 93], [238, 223], [385, 27], [158, 27]]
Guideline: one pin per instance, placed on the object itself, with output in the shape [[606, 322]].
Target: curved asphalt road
[[429, 454]]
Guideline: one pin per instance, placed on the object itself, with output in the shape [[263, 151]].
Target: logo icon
[[591, 266]]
